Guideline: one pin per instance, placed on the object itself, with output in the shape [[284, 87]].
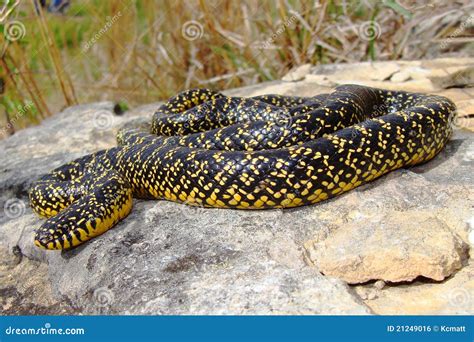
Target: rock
[[413, 223], [358, 72], [25, 288], [456, 76], [377, 74], [415, 72], [465, 115], [183, 260], [470, 223], [372, 295], [398, 247], [401, 76], [322, 80], [167, 258], [454, 296], [297, 74], [383, 71], [379, 284]]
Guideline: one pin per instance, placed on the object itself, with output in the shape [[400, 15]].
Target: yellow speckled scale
[[262, 152]]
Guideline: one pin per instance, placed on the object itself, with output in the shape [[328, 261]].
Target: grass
[[143, 51]]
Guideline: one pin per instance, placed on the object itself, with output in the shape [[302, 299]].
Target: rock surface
[[24, 289], [396, 248], [454, 296], [165, 258]]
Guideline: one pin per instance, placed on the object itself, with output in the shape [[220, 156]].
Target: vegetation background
[[55, 54]]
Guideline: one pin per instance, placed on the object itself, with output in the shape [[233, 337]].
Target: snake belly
[[262, 152]]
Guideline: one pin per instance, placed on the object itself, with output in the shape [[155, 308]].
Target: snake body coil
[[247, 153]]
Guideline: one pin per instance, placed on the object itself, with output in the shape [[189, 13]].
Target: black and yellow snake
[[270, 151]]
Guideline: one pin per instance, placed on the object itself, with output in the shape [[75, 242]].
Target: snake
[[206, 149]]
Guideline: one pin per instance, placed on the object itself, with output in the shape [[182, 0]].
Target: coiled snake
[[270, 151]]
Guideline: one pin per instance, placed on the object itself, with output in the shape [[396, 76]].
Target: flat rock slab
[[168, 258], [401, 247], [172, 259]]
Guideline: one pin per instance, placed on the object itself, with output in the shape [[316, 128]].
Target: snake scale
[[268, 151]]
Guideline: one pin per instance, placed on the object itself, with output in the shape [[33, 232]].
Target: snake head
[[47, 237], [108, 202]]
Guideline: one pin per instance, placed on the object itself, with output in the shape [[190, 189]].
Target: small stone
[[401, 76], [379, 284], [297, 74], [383, 71], [363, 295], [372, 295]]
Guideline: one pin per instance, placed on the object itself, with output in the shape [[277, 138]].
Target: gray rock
[[25, 288], [184, 260]]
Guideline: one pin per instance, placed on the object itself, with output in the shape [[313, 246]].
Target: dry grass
[[146, 53]]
